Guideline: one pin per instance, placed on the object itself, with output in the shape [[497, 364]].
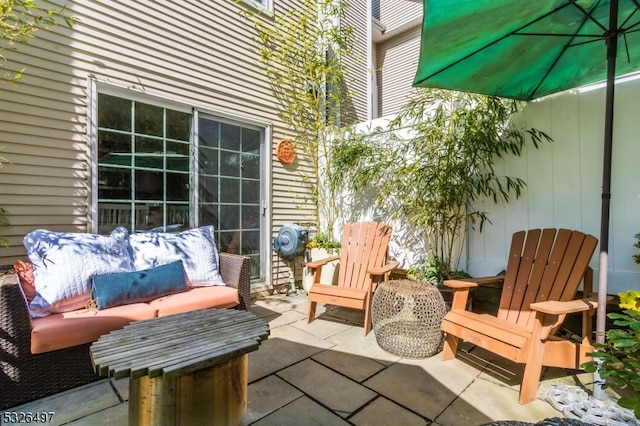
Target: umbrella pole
[[612, 48]]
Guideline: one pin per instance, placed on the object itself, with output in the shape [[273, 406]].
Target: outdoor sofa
[[43, 354]]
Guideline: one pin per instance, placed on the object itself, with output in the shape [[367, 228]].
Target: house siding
[[397, 60], [396, 13], [395, 52], [200, 53], [356, 64]]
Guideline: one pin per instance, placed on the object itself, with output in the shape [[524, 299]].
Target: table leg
[[212, 396]]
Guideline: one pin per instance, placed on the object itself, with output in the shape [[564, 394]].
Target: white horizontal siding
[[396, 68], [356, 64], [395, 13]]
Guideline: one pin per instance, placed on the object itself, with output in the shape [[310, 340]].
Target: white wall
[[564, 182], [564, 185]]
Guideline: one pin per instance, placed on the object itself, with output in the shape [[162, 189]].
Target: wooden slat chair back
[[544, 271], [543, 265], [363, 263], [363, 246]]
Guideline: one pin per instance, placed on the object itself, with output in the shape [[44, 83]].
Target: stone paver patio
[[328, 373]]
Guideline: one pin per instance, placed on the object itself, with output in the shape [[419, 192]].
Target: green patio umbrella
[[528, 49]]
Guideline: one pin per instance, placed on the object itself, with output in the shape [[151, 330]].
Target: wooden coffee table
[[183, 369]]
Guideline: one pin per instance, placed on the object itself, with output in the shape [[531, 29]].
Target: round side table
[[406, 317]]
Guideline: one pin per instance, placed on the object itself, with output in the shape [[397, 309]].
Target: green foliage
[[323, 240], [19, 20], [636, 257], [434, 270], [618, 359], [433, 175], [300, 49]]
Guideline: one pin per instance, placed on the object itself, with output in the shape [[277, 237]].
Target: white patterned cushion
[[195, 247], [64, 263]]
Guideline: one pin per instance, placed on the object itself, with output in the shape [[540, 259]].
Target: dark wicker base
[[36, 376], [24, 376]]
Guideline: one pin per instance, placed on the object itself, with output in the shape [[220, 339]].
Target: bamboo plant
[[434, 163], [301, 50]]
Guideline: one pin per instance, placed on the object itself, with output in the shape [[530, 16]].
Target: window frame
[[131, 93], [263, 5]]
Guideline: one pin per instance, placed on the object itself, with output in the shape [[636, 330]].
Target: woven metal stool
[[406, 317]]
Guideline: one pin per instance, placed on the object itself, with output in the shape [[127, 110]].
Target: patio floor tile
[[122, 387], [412, 387], [302, 411], [281, 303], [353, 341], [355, 367], [290, 317], [268, 395], [75, 403], [483, 401], [384, 412], [117, 416], [455, 374], [338, 393], [321, 327], [277, 353]]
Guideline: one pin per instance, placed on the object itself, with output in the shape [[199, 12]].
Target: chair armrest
[[321, 262], [236, 273], [473, 282], [556, 307], [15, 320], [381, 270]]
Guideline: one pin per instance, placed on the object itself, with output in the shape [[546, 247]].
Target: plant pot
[[329, 273]]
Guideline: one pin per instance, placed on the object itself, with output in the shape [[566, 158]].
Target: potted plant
[[618, 359], [435, 270], [321, 246]]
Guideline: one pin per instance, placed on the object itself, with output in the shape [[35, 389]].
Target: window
[[229, 190], [143, 166], [152, 176], [261, 4]]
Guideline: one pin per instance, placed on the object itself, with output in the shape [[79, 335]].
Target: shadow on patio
[[328, 373]]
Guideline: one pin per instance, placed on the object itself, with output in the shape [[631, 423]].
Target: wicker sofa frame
[[25, 377]]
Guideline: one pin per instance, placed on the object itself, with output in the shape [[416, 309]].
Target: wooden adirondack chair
[[363, 263], [543, 273]]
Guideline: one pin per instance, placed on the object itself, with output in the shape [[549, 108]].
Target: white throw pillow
[[195, 247], [64, 263]]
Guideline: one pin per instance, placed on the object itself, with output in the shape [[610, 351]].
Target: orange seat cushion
[[63, 330], [197, 298]]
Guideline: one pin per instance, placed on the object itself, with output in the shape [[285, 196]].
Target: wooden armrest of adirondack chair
[[556, 307], [473, 282], [385, 269], [461, 288], [556, 311], [321, 262]]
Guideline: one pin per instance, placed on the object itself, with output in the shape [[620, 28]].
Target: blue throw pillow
[[138, 286]]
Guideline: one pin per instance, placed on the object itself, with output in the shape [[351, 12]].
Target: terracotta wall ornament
[[285, 151]]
